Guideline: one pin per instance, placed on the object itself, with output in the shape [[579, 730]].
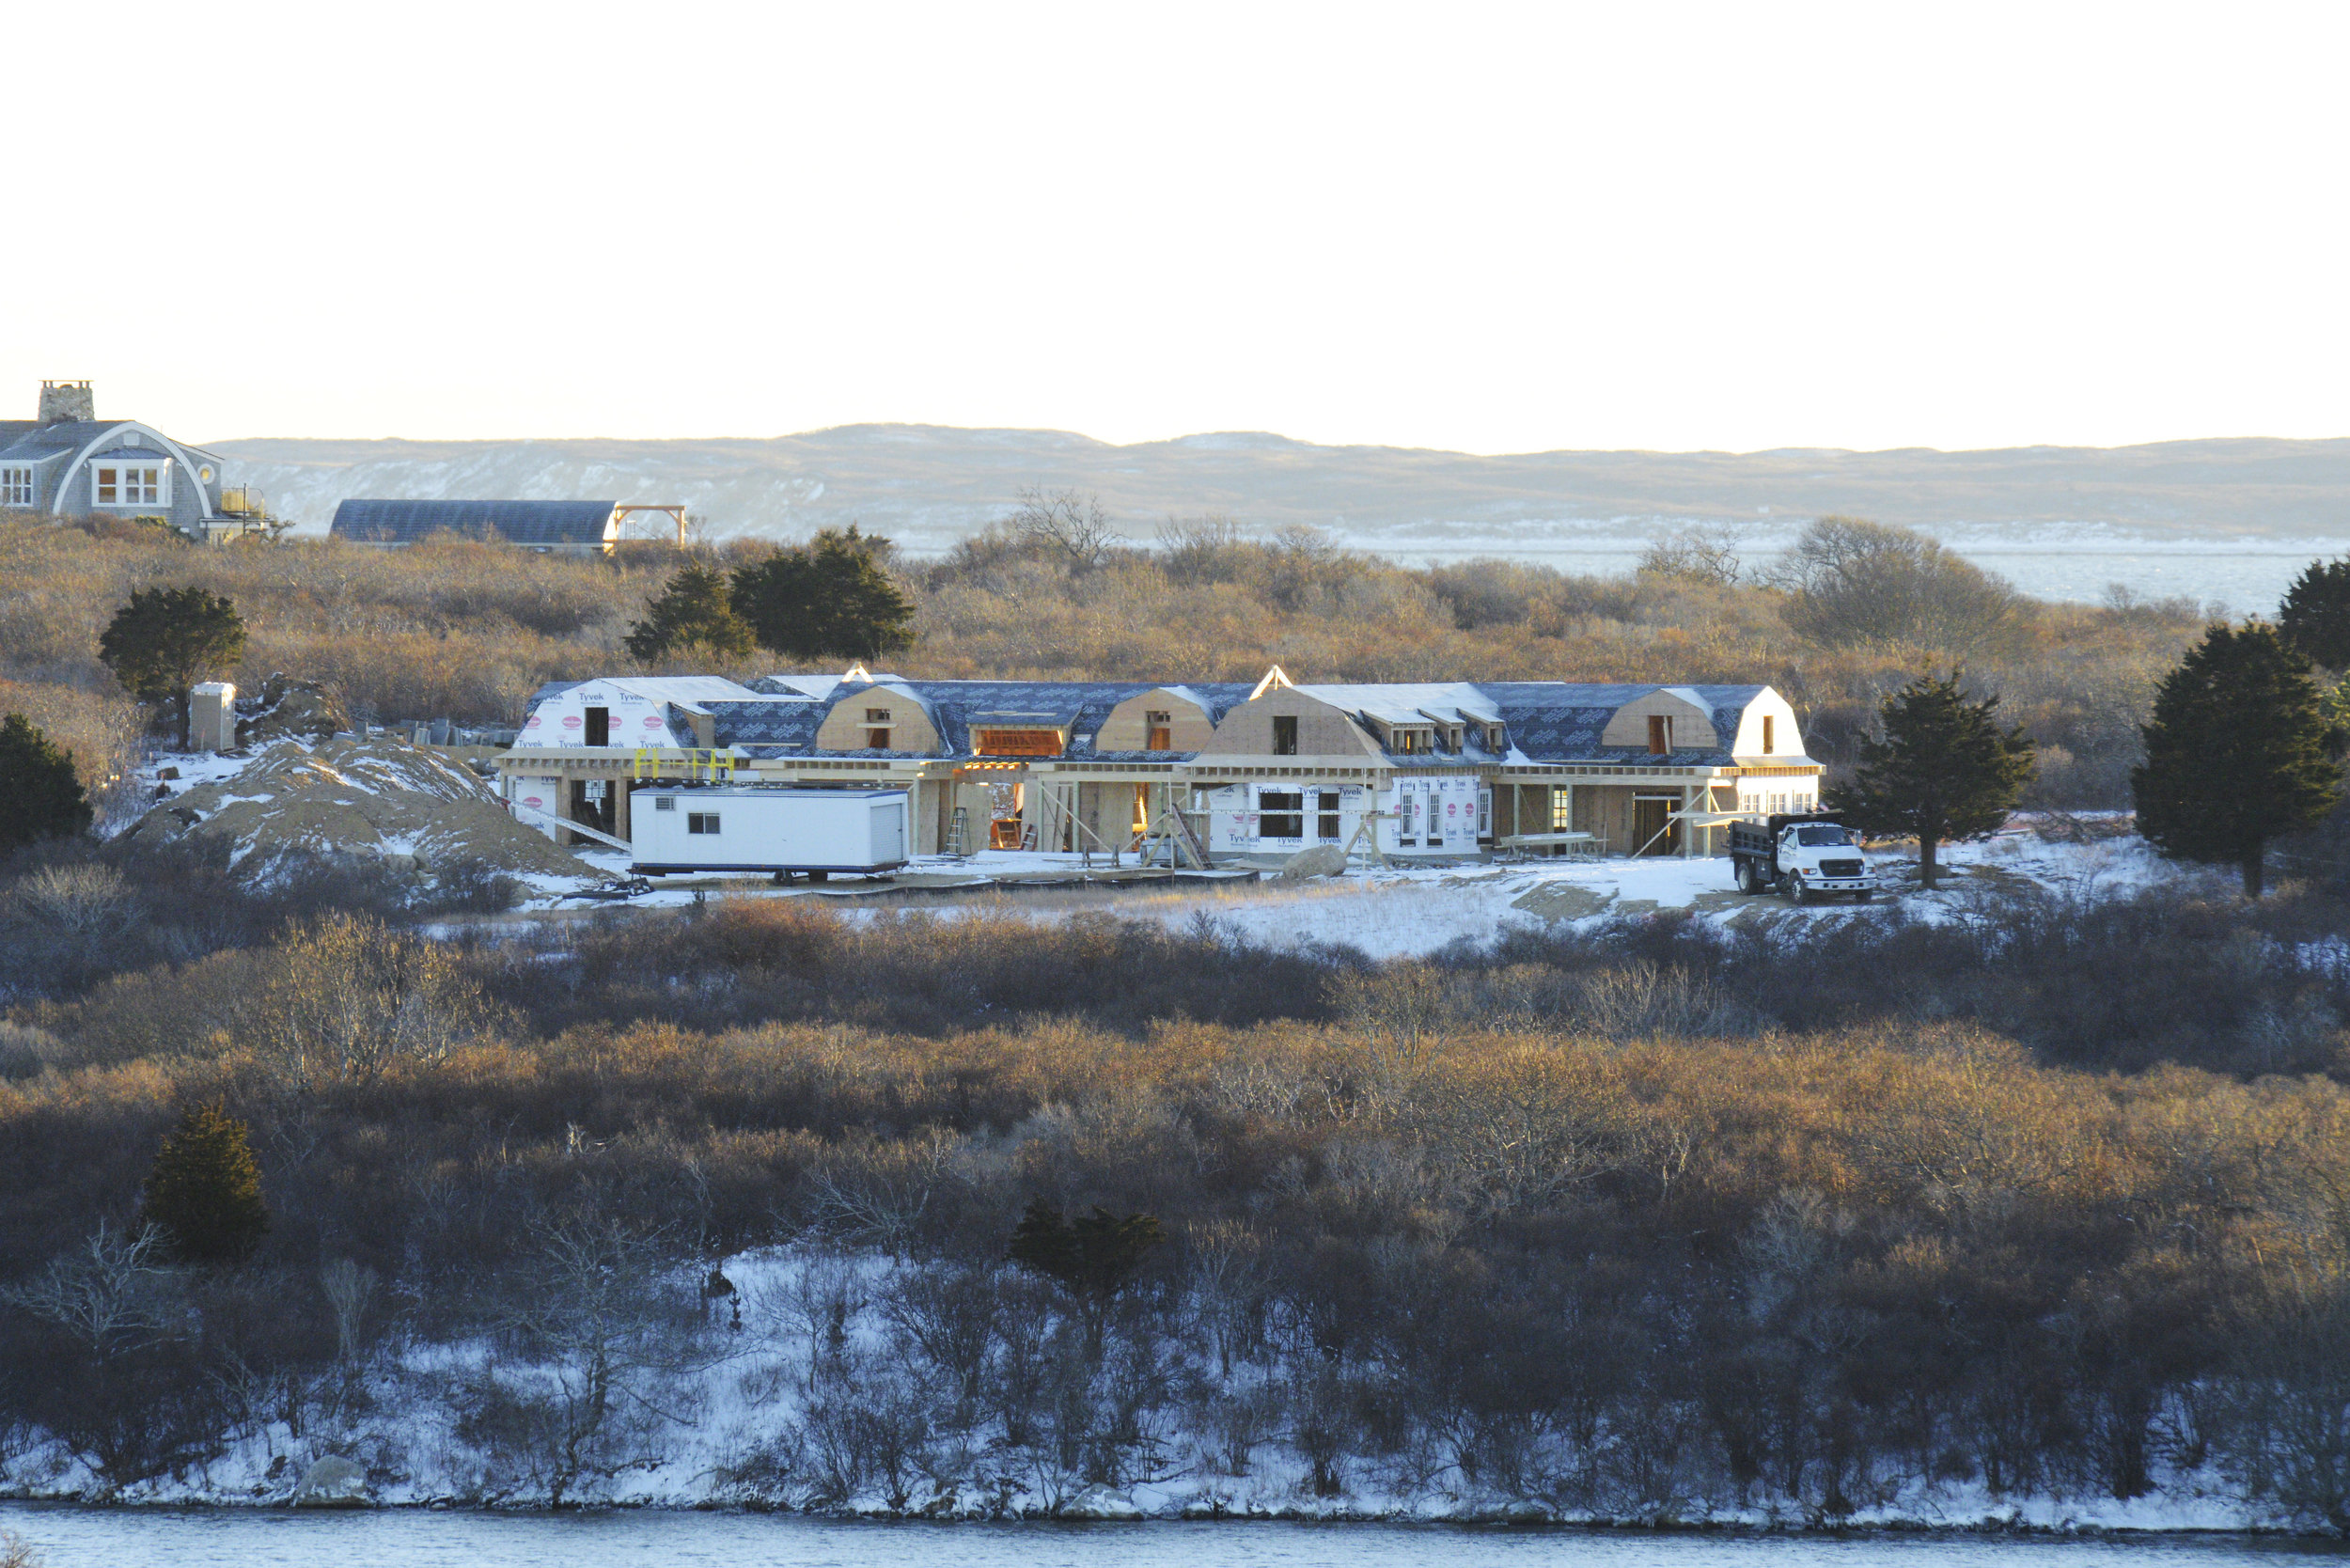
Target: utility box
[[747, 828], [213, 716]]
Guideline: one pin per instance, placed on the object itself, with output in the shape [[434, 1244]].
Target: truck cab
[[1801, 858]]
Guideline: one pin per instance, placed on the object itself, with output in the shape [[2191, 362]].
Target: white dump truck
[[1802, 857], [748, 828]]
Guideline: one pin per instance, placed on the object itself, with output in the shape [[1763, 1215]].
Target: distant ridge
[[929, 485]]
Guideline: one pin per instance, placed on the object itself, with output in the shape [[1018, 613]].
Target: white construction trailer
[[747, 828]]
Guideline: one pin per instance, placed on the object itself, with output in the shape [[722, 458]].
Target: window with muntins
[[701, 822], [1328, 827], [16, 487], [126, 486], [1561, 811]]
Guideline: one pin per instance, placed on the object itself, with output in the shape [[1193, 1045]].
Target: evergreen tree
[[41, 795], [2238, 751], [830, 599], [166, 640], [1944, 770], [2315, 615], [204, 1191], [1092, 1258], [694, 611]]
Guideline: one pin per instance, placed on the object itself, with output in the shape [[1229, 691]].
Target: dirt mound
[[346, 799], [288, 707]]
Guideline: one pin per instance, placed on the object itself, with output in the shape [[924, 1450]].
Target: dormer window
[[16, 487], [1412, 741], [1016, 743], [129, 485], [1285, 734], [1159, 732], [1454, 738], [1660, 734], [1497, 739]]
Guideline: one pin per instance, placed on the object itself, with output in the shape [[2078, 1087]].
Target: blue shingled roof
[[518, 521], [783, 726]]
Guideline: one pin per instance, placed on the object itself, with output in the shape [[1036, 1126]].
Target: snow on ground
[[1415, 911], [735, 1411]]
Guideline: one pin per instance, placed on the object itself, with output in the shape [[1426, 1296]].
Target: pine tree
[[1093, 1258], [694, 611], [1944, 770], [165, 640], [2315, 615], [204, 1190], [2238, 751], [830, 599], [41, 795]]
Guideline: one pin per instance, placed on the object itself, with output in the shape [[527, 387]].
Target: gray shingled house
[[69, 462]]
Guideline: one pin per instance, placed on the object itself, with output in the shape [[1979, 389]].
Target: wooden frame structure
[[675, 512]]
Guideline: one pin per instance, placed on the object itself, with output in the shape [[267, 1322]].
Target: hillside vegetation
[[1652, 1222], [466, 631]]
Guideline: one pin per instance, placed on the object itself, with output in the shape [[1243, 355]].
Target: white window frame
[[17, 486], [103, 467]]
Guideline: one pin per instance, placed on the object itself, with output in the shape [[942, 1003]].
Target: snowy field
[[1407, 913]]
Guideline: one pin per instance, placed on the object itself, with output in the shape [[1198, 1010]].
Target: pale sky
[[1479, 227]]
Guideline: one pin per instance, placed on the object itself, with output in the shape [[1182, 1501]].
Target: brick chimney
[[61, 400]]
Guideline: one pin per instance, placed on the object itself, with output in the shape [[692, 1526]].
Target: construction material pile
[[345, 800]]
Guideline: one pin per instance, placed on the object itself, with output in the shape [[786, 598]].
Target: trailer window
[[701, 822]]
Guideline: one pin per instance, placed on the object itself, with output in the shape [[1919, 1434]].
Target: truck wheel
[[1795, 892], [1744, 873]]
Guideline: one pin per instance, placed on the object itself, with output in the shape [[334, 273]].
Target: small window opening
[[1768, 739], [599, 727], [1162, 731], [877, 716], [1660, 734], [701, 822], [877, 740], [1328, 826], [1285, 735]]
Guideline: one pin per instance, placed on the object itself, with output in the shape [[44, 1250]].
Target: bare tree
[[599, 1339], [113, 1294], [347, 1289], [1851, 583], [1066, 523], [348, 998], [1697, 553]]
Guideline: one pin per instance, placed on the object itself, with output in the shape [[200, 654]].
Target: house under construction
[[1409, 772]]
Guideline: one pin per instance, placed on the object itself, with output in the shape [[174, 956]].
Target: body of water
[[66, 1537], [2246, 582]]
